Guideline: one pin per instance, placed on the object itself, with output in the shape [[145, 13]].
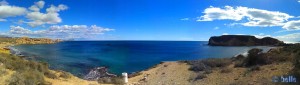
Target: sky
[[180, 20]]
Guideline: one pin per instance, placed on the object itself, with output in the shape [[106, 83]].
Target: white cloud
[[292, 25], [51, 16], [7, 10], [40, 4], [185, 19], [3, 3], [255, 17], [225, 34], [289, 38], [262, 35], [61, 32], [299, 1], [214, 13]]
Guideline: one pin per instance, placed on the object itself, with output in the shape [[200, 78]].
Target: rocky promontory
[[243, 40]]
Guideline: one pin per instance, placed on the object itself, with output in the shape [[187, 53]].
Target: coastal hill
[[243, 40], [27, 40]]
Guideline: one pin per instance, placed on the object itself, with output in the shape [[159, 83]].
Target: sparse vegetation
[[27, 72], [64, 74], [112, 80], [200, 76], [226, 70], [134, 74], [206, 64], [257, 57]]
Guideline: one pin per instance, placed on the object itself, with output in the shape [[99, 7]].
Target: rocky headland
[[243, 40]]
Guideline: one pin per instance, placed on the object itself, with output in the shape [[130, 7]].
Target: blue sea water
[[78, 57]]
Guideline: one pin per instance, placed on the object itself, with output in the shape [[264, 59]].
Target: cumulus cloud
[[61, 32], [7, 10], [292, 25], [215, 13], [254, 17], [51, 16]]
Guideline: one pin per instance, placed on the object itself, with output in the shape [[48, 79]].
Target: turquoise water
[[78, 57]]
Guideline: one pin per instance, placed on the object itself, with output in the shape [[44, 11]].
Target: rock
[[243, 40], [97, 73]]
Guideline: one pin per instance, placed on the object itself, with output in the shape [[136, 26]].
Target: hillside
[[243, 40]]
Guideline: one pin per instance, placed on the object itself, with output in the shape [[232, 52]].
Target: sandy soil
[[175, 73]]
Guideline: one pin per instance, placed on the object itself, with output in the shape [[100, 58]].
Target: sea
[[79, 57]]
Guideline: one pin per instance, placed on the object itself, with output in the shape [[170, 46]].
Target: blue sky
[[194, 20]]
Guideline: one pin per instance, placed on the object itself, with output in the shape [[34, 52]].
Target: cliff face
[[243, 40]]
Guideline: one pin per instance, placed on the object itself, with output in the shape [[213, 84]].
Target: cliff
[[243, 40]]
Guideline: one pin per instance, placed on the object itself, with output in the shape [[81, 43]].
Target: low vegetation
[[207, 64], [112, 80], [27, 72]]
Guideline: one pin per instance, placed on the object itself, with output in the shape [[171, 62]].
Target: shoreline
[[177, 72], [69, 79]]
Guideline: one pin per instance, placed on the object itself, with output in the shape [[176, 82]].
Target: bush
[[239, 63], [27, 78], [226, 70], [2, 71], [201, 65], [200, 76], [217, 62], [27, 72], [207, 71], [198, 66], [254, 68], [63, 74], [111, 80], [50, 75]]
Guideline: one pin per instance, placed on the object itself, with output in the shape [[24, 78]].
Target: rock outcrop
[[243, 40], [97, 73]]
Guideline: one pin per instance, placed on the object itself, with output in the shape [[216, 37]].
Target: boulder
[[97, 73]]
